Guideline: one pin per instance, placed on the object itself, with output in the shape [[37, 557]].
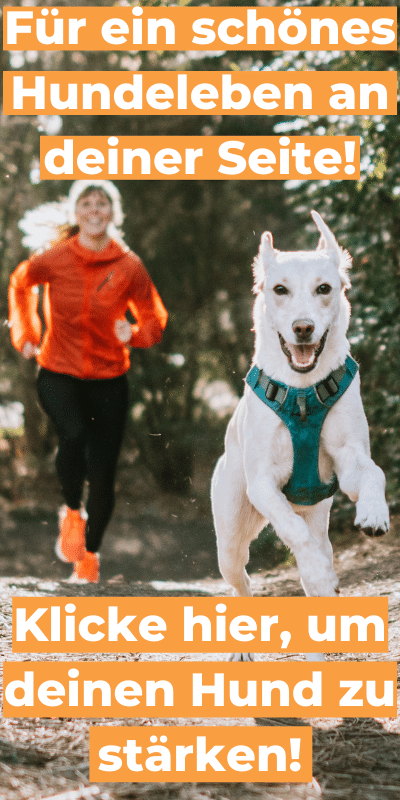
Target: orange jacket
[[86, 292]]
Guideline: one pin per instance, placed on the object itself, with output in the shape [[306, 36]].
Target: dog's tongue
[[302, 354]]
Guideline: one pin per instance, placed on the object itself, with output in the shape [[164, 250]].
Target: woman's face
[[93, 214]]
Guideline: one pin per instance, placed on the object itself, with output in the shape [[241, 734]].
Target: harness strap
[[273, 391], [303, 411], [330, 386]]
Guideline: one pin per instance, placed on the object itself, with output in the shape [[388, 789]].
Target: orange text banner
[[199, 689], [204, 28], [164, 93], [199, 624], [200, 157], [200, 754]]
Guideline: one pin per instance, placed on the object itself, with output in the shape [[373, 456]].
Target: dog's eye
[[324, 288], [281, 289]]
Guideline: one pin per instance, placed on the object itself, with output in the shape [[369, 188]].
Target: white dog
[[299, 431]]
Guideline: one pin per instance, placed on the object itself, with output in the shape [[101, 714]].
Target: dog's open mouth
[[303, 357]]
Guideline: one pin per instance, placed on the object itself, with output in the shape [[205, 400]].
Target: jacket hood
[[112, 252]]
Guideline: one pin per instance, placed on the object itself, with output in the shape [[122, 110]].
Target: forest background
[[198, 240]]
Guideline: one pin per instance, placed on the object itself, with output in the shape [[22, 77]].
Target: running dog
[[299, 432]]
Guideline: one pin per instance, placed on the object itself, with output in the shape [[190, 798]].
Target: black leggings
[[89, 417]]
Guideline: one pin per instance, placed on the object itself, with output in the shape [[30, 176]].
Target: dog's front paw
[[372, 518], [374, 532], [241, 657]]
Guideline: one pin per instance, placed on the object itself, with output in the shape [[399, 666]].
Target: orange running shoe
[[71, 543], [87, 570]]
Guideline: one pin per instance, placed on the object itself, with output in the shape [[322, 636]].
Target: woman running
[[90, 282]]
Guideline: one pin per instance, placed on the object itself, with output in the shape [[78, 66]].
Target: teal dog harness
[[303, 411]]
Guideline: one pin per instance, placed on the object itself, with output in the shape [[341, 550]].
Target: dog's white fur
[[257, 463]]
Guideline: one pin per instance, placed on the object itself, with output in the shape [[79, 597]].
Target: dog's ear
[[322, 244], [329, 245], [327, 241], [267, 239], [264, 259]]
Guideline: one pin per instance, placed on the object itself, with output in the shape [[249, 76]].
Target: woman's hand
[[29, 350], [123, 330]]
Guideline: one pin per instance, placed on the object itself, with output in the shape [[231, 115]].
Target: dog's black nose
[[303, 328]]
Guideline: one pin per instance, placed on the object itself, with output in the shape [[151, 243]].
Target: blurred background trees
[[198, 239]]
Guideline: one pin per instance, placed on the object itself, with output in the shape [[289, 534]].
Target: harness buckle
[[327, 388], [332, 386], [271, 391]]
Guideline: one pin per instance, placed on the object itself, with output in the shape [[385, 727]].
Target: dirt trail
[[353, 759]]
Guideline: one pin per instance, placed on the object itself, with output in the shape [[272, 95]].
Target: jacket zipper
[[103, 283]]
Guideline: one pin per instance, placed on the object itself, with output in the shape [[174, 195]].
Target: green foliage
[[198, 239], [365, 216]]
